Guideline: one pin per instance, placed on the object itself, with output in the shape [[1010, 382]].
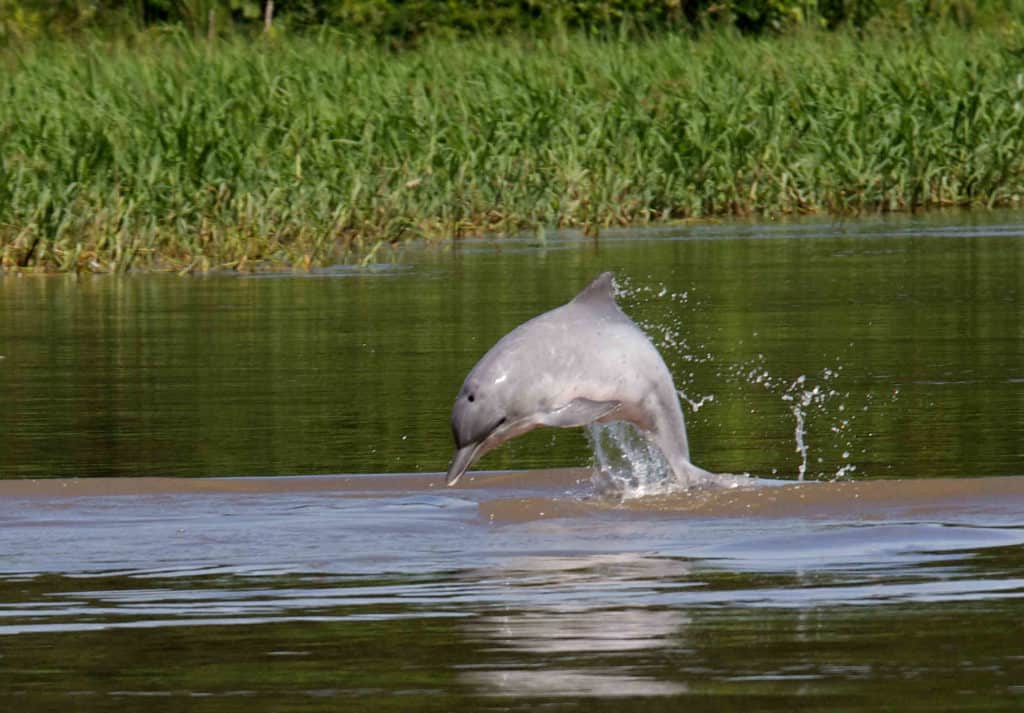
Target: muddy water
[[391, 591], [892, 351]]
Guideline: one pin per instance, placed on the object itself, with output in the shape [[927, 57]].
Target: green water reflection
[[915, 325], [914, 658]]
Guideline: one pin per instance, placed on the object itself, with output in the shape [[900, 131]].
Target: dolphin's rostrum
[[582, 362]]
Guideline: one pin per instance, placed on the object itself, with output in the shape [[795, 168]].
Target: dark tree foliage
[[406, 20]]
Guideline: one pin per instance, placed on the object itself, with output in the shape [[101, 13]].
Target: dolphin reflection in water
[[583, 362]]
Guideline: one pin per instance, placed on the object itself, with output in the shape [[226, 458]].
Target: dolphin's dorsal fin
[[599, 292]]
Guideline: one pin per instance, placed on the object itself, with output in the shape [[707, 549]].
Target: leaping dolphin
[[582, 362]]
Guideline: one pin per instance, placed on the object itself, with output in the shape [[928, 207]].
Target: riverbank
[[177, 154]]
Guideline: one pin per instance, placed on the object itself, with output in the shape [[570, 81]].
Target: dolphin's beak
[[463, 458]]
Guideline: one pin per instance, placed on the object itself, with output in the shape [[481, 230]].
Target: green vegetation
[[168, 151]]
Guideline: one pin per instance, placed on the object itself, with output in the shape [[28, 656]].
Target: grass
[[175, 154]]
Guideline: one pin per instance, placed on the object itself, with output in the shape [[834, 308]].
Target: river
[[227, 492]]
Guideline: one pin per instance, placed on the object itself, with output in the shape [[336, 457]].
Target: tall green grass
[[177, 154]]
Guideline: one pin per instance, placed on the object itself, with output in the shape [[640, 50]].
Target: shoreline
[[256, 155], [355, 262]]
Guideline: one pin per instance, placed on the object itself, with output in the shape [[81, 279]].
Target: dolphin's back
[[573, 322]]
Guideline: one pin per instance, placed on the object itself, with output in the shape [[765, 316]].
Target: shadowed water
[[884, 360]]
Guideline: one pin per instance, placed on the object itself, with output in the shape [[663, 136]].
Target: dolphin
[[583, 362]]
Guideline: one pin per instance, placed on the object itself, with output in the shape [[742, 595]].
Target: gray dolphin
[[582, 362]]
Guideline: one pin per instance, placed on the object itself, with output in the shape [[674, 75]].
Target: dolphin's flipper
[[579, 412]]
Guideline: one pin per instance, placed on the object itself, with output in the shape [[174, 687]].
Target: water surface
[[894, 349]]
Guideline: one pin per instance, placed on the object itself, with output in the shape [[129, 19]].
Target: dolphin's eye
[[471, 398]]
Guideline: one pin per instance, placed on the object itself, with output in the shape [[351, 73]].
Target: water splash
[[812, 398], [698, 404], [627, 464], [824, 436], [666, 331], [799, 409]]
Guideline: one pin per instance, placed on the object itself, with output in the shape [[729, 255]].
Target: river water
[[143, 563]]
